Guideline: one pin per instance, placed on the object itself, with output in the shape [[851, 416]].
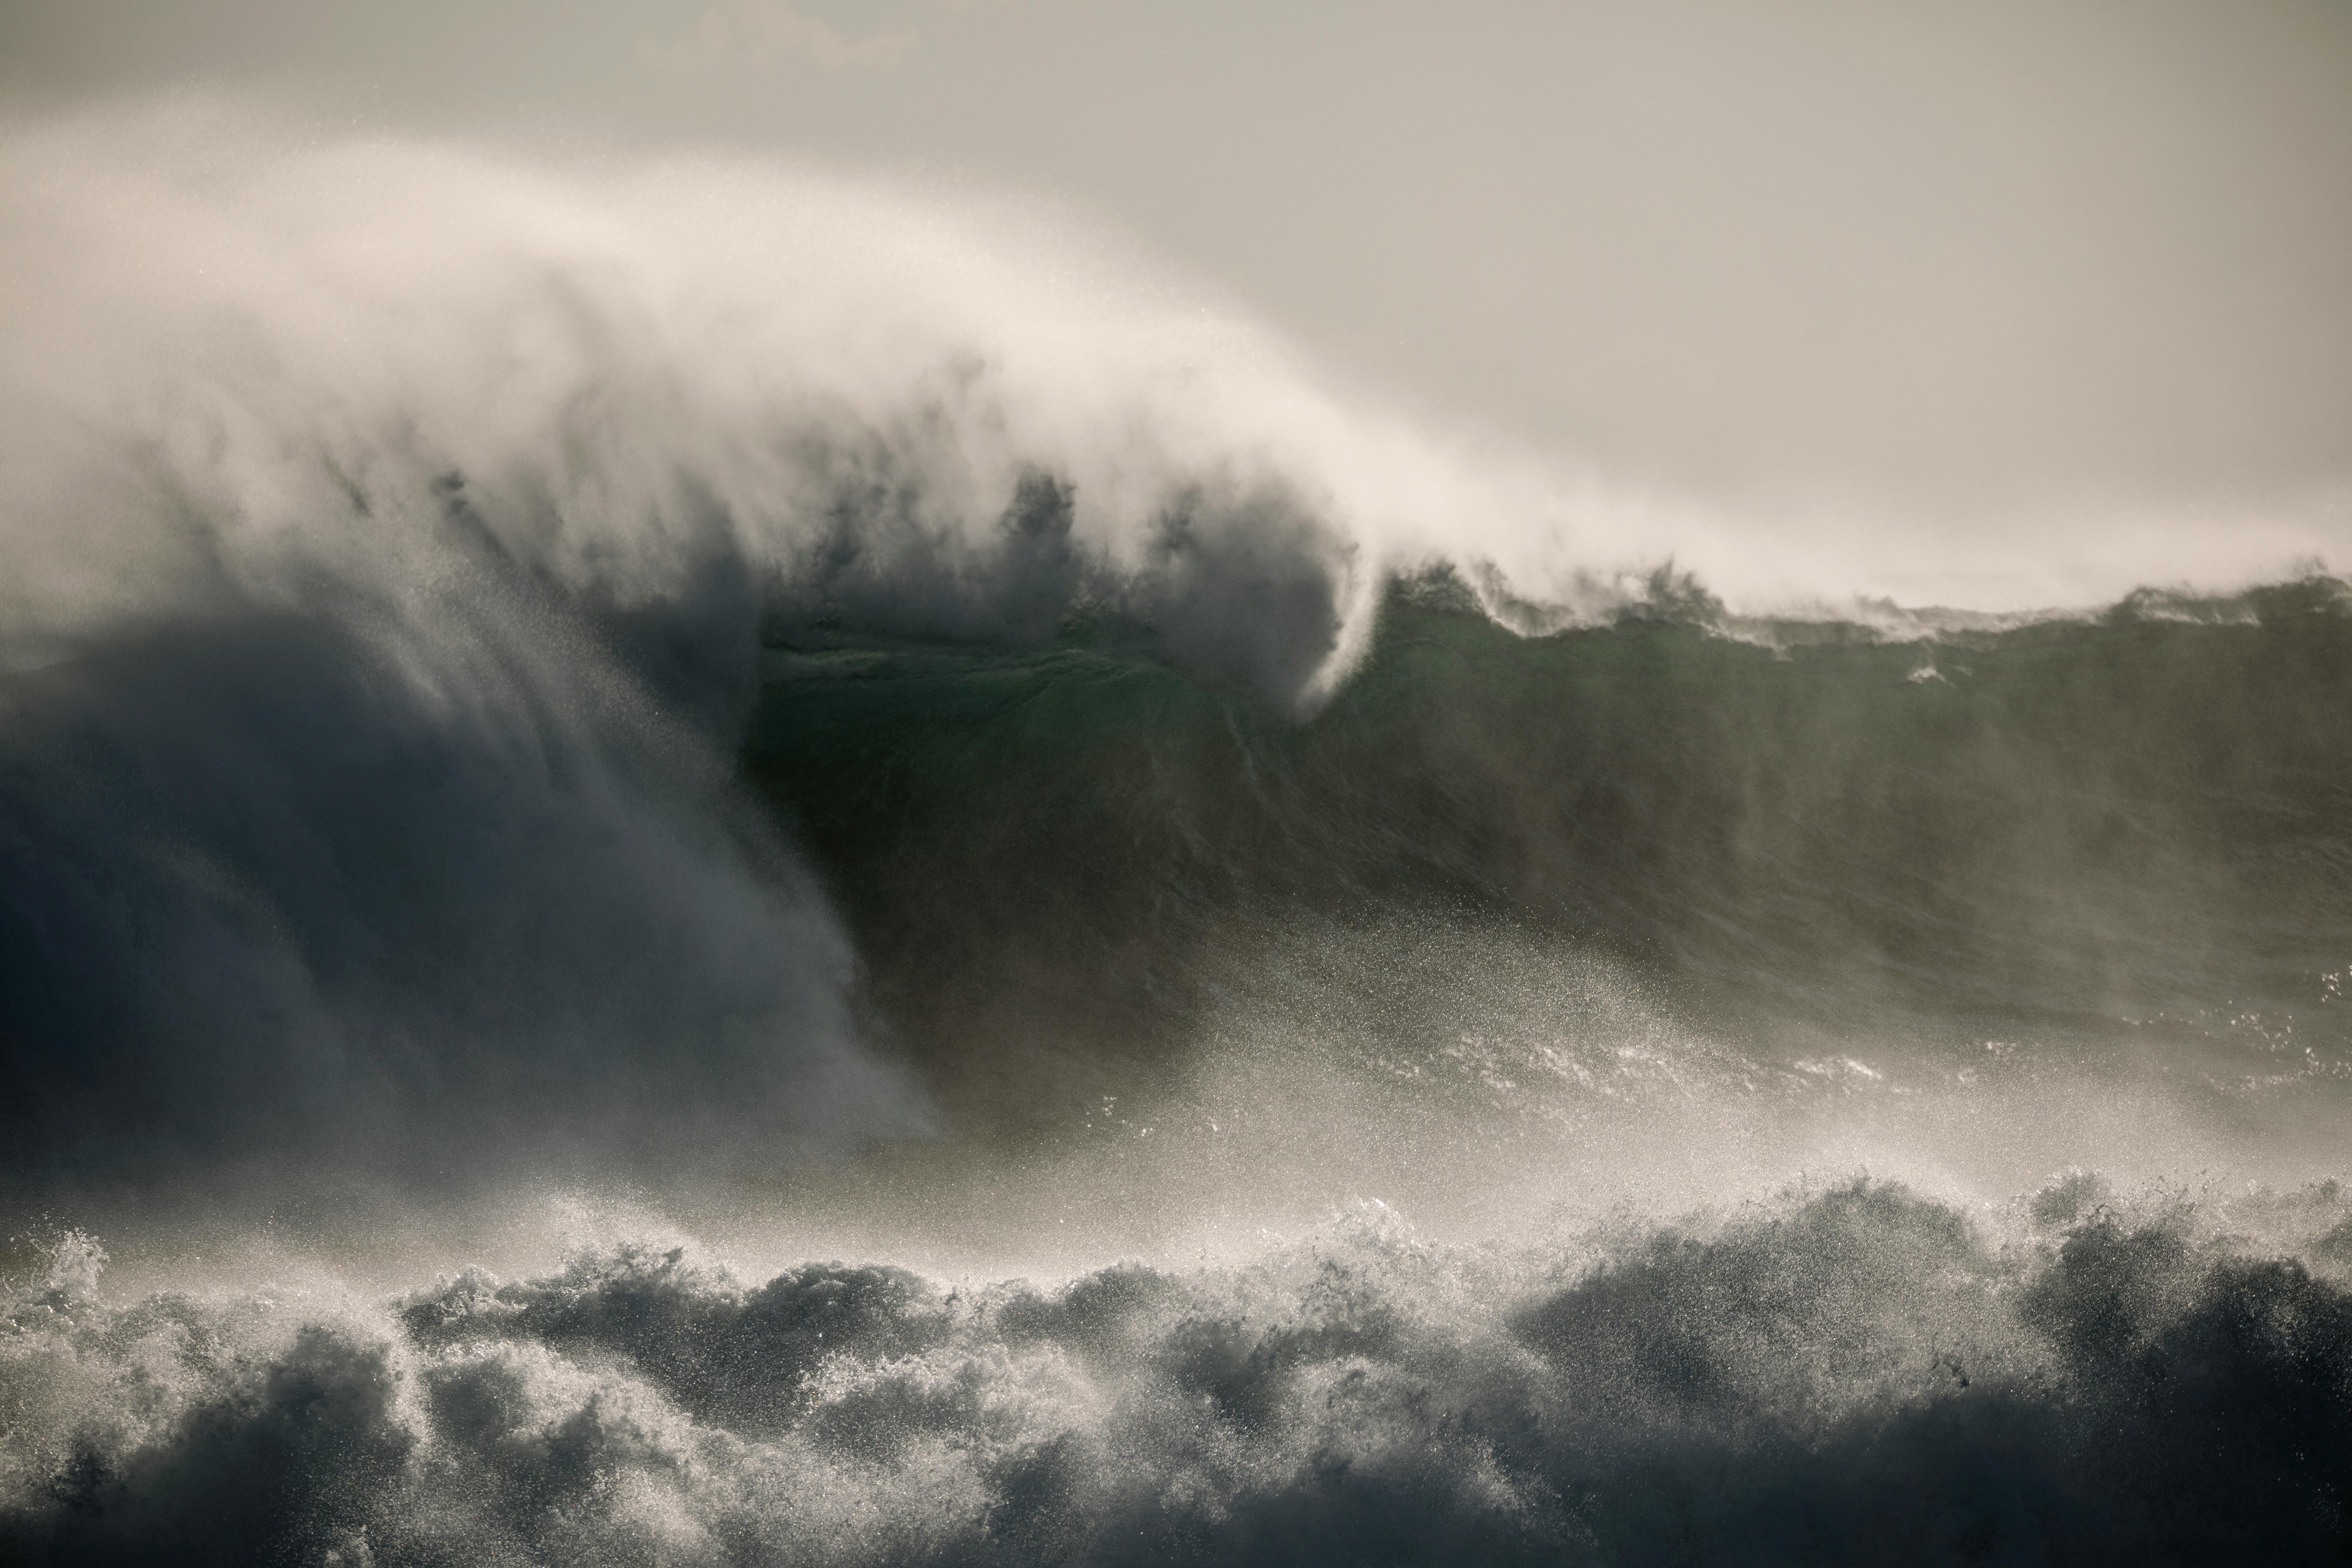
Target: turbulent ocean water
[[697, 866]]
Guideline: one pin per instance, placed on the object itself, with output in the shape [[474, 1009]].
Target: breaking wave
[[743, 702], [390, 539]]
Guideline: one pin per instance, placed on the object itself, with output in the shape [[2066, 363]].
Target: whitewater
[[707, 862]]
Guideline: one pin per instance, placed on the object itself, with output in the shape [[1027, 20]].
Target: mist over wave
[[812, 724]]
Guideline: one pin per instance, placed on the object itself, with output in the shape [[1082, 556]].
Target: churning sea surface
[[697, 888]]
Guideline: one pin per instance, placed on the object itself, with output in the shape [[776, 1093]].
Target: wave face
[[2132, 829], [658, 728]]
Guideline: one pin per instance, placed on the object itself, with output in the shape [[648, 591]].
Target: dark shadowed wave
[[283, 901], [1859, 1375]]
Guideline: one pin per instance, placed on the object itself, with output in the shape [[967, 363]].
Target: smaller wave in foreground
[[1851, 1375]]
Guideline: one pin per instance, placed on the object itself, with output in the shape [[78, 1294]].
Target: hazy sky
[[1976, 254]]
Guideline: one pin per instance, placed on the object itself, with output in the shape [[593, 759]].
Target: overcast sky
[[1952, 255]]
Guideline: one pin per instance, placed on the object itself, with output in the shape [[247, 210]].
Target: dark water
[[2133, 832]]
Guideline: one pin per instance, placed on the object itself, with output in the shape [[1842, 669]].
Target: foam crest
[[1850, 1373]]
